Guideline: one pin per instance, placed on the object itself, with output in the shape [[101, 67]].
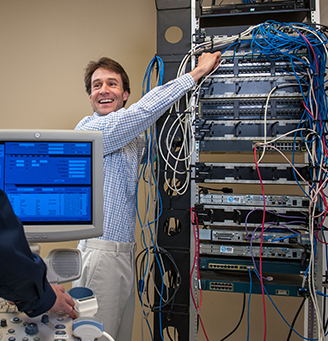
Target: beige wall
[[45, 46], [324, 12]]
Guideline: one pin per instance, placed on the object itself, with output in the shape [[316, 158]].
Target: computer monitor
[[54, 182]]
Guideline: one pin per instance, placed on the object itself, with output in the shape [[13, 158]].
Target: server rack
[[231, 125]]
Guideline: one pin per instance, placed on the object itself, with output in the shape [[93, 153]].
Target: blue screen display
[[48, 182]]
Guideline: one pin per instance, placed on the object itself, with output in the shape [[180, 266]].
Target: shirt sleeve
[[22, 273], [122, 126]]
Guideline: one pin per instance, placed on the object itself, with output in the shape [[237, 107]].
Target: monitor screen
[[54, 182]]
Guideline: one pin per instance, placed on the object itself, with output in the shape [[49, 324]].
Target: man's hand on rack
[[206, 63]]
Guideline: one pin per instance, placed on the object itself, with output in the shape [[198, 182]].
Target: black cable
[[295, 318], [324, 305], [177, 283], [324, 309], [240, 319], [143, 287], [223, 189], [324, 313]]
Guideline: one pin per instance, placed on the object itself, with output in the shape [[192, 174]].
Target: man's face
[[107, 92]]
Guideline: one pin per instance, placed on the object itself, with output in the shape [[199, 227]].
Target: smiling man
[[108, 261], [106, 91]]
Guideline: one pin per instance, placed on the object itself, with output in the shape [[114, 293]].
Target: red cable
[[308, 110], [194, 220], [311, 47], [325, 205], [194, 263]]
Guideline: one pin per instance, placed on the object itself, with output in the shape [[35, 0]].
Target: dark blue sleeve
[[22, 273]]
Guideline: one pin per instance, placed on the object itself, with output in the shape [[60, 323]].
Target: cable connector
[[304, 292], [226, 190]]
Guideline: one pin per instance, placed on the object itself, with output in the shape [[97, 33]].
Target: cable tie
[[238, 38], [320, 121]]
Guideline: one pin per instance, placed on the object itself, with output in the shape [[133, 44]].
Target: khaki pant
[[108, 270]]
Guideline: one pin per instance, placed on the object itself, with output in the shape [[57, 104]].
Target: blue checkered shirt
[[123, 151]]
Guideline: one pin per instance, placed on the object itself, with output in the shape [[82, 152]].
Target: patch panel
[[212, 130], [242, 135], [252, 106], [242, 68]]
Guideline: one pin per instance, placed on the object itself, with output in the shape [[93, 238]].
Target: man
[[22, 273], [108, 262]]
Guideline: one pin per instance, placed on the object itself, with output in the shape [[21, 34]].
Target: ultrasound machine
[[54, 182]]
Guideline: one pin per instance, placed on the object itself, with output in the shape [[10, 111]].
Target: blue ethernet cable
[[281, 315], [156, 62]]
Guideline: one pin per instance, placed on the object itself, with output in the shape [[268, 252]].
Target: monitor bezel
[[40, 233]]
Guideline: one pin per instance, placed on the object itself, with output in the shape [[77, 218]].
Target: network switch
[[272, 236], [227, 215], [277, 252], [271, 173], [269, 266], [280, 285], [253, 200]]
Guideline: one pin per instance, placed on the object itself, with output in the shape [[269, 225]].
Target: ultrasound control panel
[[16, 326]]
